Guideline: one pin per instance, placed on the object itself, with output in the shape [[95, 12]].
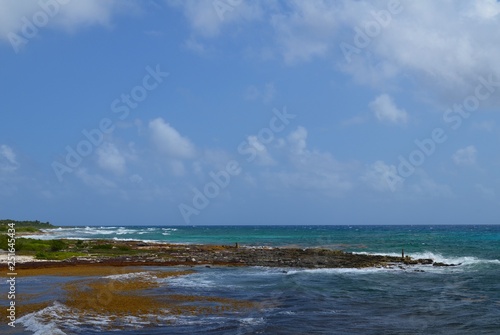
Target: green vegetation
[[25, 226], [55, 249], [58, 255], [64, 249], [102, 247], [57, 245]]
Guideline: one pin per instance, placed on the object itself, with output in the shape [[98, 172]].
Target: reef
[[129, 253]]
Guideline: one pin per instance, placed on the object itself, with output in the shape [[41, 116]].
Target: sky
[[236, 112]]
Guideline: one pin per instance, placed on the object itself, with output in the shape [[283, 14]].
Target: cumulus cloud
[[263, 157], [169, 141], [308, 170], [208, 18], [465, 156], [382, 177], [297, 140], [110, 158], [427, 187], [67, 16], [412, 44], [8, 160], [94, 180], [306, 29], [448, 58], [386, 110]]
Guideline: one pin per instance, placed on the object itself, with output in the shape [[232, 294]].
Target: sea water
[[464, 299]]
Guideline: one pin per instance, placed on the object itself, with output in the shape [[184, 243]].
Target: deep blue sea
[[417, 300]]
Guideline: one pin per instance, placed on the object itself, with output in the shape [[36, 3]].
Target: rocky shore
[[141, 253]]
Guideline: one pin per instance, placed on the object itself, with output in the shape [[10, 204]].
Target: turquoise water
[[481, 241], [420, 300]]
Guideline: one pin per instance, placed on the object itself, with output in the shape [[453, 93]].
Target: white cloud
[[95, 180], [8, 160], [266, 94], [386, 110], [354, 121], [69, 16], [382, 177], [169, 141], [136, 179], [297, 140], [110, 158], [414, 44], [263, 156], [426, 187], [194, 45], [308, 170], [177, 168], [306, 29], [446, 58], [201, 15], [465, 156], [207, 18]]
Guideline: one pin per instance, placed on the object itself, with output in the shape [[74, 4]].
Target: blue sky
[[250, 112]]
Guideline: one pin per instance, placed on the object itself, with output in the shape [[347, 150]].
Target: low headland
[[37, 253]]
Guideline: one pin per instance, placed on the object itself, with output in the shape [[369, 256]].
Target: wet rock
[[444, 264], [425, 261]]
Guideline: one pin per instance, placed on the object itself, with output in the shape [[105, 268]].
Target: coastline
[[125, 280], [139, 253]]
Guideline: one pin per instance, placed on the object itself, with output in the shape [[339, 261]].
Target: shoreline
[[139, 253]]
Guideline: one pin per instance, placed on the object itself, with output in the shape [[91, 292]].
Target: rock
[[410, 262], [444, 264], [425, 261]]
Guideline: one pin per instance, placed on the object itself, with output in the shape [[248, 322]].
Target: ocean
[[463, 299]]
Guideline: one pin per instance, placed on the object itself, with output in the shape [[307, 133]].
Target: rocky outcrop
[[167, 254]]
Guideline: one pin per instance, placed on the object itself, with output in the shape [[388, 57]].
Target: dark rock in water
[[444, 264], [408, 261], [425, 261], [439, 264]]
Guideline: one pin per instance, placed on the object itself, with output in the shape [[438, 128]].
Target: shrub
[[124, 248], [57, 245], [103, 246], [41, 255]]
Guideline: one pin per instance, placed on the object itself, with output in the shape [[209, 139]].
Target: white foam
[[190, 281], [252, 321], [437, 257], [342, 270], [132, 275], [34, 321]]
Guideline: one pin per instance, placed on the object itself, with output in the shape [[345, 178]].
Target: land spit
[[131, 253]]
